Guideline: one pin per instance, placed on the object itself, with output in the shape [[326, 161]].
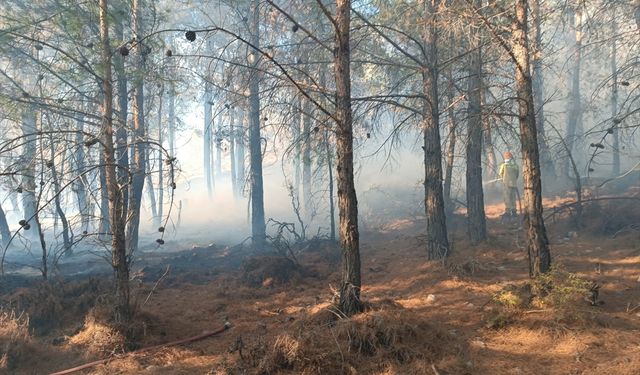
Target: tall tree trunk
[[451, 144], [332, 208], [138, 166], [297, 116], [232, 150], [172, 127], [119, 261], [151, 191], [574, 113], [172, 119], [122, 147], [258, 230], [487, 137], [476, 221], [615, 170], [306, 157], [548, 169], [104, 226], [436, 240], [207, 134], [28, 157], [159, 211], [350, 302], [5, 233], [80, 185], [241, 175], [67, 239], [217, 144], [537, 242]]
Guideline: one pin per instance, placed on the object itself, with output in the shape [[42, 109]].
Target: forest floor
[[422, 317]]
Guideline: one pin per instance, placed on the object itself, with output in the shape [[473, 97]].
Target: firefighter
[[509, 176]]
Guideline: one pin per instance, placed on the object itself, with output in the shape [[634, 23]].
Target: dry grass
[[98, 338], [382, 338], [15, 341]]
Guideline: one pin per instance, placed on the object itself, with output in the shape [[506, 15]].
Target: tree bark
[[437, 242], [574, 113], [119, 260], [350, 302], [122, 147], [476, 221], [537, 242], [104, 226], [451, 145], [258, 229], [138, 167]]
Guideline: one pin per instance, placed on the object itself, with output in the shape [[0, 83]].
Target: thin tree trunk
[[476, 221], [574, 113], [207, 135], [104, 227], [80, 184], [151, 192], [615, 170], [297, 148], [306, 157], [437, 242], [241, 174], [548, 169], [5, 233], [451, 145], [67, 240], [28, 157], [122, 147], [537, 242], [119, 259], [159, 211], [232, 151], [138, 167], [217, 144], [258, 229], [332, 208], [487, 137], [350, 302]]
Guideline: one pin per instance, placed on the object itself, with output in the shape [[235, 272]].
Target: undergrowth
[[566, 296]]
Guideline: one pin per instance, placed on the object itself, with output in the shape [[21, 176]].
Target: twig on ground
[[156, 284]]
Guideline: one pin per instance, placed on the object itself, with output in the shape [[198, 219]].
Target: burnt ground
[[422, 317]]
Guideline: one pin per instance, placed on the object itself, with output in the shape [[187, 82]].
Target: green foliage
[[561, 289]]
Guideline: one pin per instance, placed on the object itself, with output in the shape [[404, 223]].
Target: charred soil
[[476, 313]]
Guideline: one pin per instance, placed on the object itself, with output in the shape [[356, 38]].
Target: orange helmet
[[508, 155]]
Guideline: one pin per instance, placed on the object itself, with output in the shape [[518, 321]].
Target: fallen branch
[[569, 205], [202, 336], [156, 284]]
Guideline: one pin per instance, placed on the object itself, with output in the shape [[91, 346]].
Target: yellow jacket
[[509, 173]]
